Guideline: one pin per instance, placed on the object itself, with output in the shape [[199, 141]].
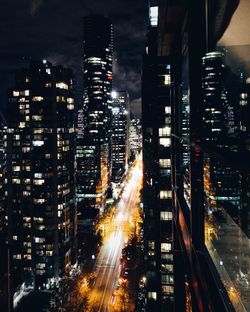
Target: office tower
[[40, 175], [93, 155], [93, 146], [157, 193], [120, 130], [135, 137]]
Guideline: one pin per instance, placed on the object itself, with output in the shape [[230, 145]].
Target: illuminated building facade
[[135, 137], [40, 175], [157, 192], [93, 154], [120, 131]]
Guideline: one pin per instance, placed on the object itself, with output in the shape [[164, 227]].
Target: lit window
[[167, 80], [165, 194], [16, 168], [70, 100], [38, 182], [26, 92], [152, 295], [60, 98], [70, 106], [165, 247], [62, 85], [16, 181], [37, 143], [166, 142], [166, 215], [165, 163], [164, 131], [167, 279], [38, 175], [37, 98], [22, 124], [154, 15], [151, 244], [166, 289], [37, 117], [15, 93], [167, 109], [39, 200]]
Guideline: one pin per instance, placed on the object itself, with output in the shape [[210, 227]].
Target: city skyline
[[124, 156]]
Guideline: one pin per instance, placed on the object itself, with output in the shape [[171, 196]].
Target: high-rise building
[[120, 131], [93, 155], [208, 243], [157, 192], [40, 175]]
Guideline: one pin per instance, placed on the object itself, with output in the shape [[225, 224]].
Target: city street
[[121, 226]]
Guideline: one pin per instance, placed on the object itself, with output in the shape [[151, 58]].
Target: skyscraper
[[120, 130], [40, 175], [93, 156], [157, 193]]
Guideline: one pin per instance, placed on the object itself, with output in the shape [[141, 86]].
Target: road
[[107, 265]]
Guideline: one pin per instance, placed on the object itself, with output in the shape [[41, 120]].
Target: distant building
[[120, 131], [135, 137], [40, 175]]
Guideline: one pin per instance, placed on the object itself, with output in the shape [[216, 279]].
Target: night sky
[[52, 30]]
